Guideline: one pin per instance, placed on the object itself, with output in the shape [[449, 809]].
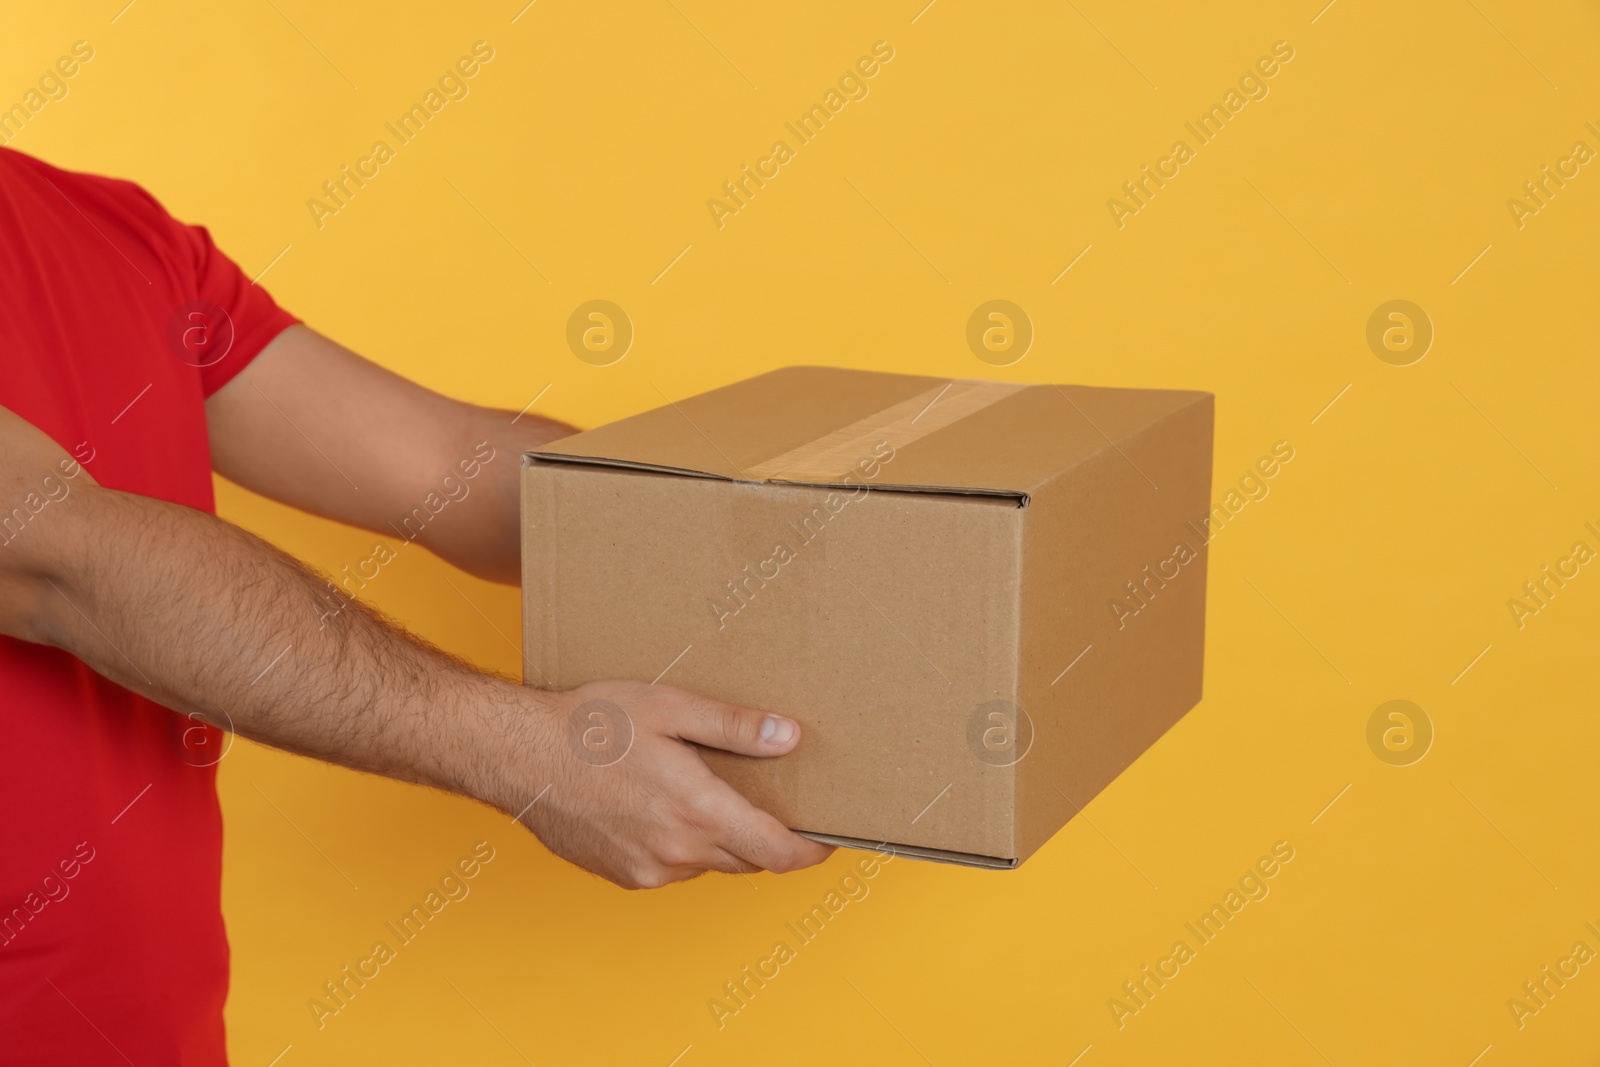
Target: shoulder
[[87, 192]]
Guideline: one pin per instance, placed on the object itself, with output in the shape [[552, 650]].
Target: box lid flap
[[815, 425]]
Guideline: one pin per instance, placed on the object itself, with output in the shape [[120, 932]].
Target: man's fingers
[[733, 728], [693, 847], [737, 828], [767, 843]]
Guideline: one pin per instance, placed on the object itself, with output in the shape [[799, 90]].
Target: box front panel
[[884, 622]]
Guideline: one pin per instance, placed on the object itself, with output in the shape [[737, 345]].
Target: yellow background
[[1380, 565]]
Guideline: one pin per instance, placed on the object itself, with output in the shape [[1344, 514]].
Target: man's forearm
[[405, 462], [483, 534], [211, 621]]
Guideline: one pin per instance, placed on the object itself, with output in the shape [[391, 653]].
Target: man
[[135, 359]]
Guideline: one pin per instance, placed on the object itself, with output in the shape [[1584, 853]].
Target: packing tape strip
[[830, 457]]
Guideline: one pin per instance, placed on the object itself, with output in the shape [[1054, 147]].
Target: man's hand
[[630, 799]]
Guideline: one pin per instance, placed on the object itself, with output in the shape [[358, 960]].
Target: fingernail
[[775, 731]]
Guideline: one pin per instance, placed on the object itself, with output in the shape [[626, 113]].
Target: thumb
[[734, 728]]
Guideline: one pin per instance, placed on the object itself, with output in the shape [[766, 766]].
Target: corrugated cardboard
[[900, 563]]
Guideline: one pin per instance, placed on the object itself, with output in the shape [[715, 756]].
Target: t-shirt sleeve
[[256, 318], [195, 275]]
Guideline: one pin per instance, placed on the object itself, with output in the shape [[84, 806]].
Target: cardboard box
[[981, 600]]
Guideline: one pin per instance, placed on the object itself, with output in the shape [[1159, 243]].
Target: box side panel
[[881, 621], [541, 647], [1113, 614]]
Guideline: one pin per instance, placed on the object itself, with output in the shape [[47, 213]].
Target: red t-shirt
[[116, 322]]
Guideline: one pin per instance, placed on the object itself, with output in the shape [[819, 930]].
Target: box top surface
[[824, 426]]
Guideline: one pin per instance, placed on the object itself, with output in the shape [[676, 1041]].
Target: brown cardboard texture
[[981, 600]]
